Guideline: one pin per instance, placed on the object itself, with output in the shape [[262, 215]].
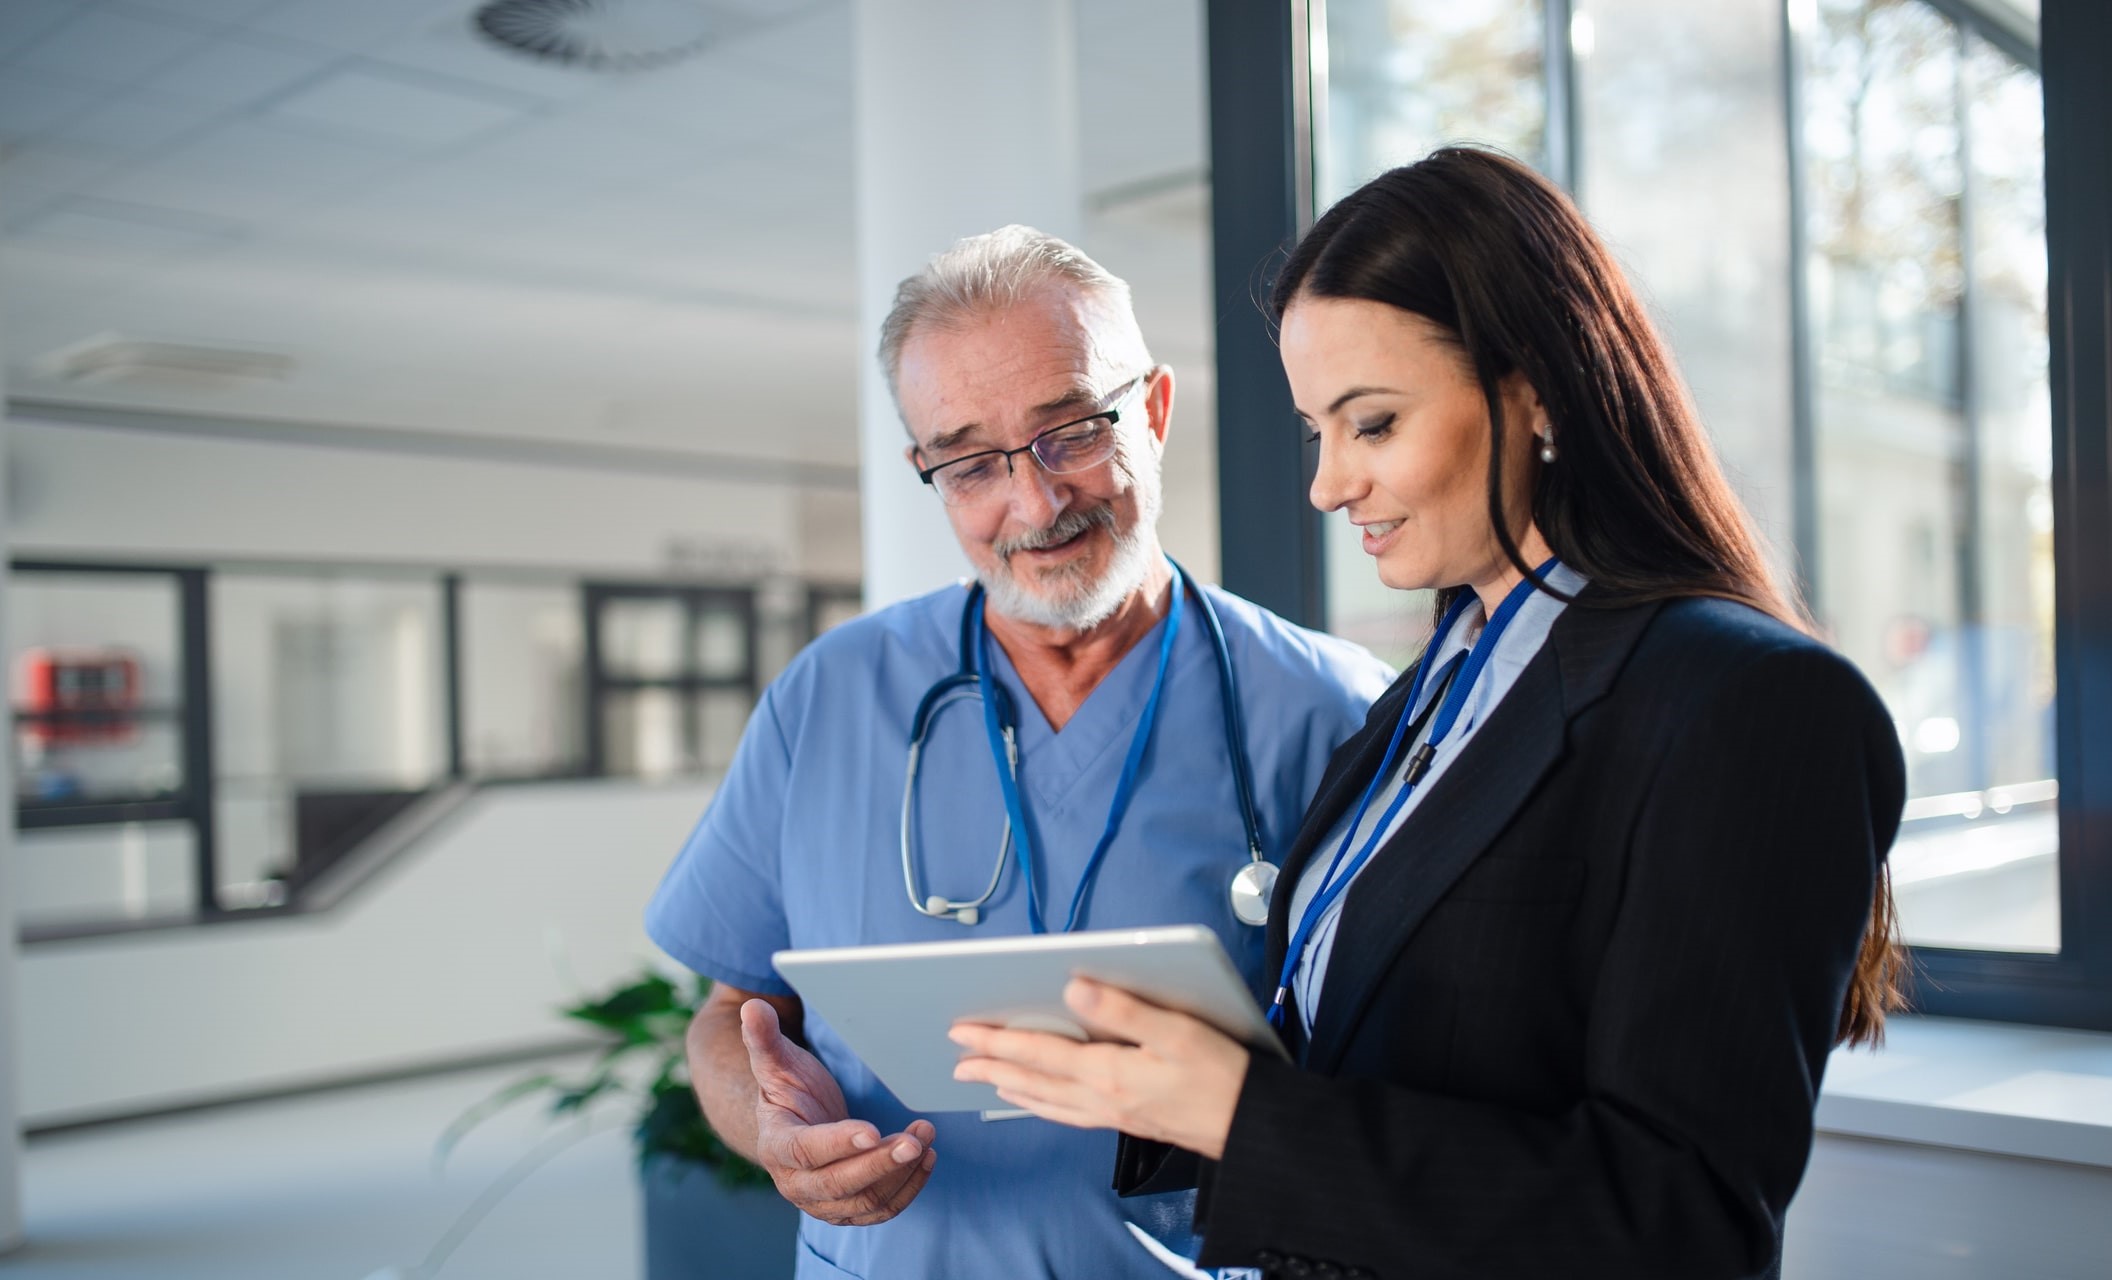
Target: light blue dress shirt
[[1514, 649], [799, 849]]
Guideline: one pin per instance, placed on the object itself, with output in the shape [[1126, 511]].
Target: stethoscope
[[1251, 885]]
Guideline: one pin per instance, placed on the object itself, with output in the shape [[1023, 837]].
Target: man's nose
[[1036, 495]]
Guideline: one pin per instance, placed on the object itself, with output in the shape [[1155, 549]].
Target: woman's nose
[[1332, 485]]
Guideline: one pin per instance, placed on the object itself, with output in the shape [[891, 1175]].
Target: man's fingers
[[851, 1189], [764, 1039], [811, 1147], [919, 1174]]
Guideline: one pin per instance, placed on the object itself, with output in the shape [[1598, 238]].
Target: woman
[[1575, 919]]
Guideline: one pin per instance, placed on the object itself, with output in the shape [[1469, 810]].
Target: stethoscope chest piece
[[1252, 887]]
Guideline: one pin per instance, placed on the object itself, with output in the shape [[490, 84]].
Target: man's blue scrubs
[[799, 849]]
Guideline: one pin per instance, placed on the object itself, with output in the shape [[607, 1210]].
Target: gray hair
[[986, 273]]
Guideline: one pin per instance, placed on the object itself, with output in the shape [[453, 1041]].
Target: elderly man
[[1116, 689]]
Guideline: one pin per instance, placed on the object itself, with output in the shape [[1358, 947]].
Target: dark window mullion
[[194, 585], [2076, 45]]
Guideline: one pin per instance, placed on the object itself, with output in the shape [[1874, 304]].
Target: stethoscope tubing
[[967, 681]]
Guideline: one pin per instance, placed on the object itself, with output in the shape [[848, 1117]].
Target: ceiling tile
[[110, 47], [250, 169], [24, 21], [457, 50], [814, 47], [54, 165], [31, 104], [585, 157], [214, 11], [128, 226], [355, 27], [236, 71], [20, 203], [714, 100], [372, 100], [137, 123]]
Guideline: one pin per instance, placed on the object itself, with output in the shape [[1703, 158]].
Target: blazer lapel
[[1467, 808], [1357, 759]]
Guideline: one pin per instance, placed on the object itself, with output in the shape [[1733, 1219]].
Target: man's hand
[[834, 1168]]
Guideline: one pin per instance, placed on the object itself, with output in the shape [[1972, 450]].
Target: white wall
[[143, 494], [465, 947]]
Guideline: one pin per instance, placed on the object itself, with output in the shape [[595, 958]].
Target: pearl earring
[[1547, 443]]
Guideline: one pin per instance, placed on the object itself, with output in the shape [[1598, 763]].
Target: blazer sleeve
[[1748, 883]]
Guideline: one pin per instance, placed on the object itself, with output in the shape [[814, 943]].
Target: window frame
[[695, 599], [193, 803], [1265, 98]]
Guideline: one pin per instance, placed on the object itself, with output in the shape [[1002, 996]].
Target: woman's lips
[[1379, 535]]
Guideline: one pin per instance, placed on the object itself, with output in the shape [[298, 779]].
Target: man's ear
[[1158, 403]]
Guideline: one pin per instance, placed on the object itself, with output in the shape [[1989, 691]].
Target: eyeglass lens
[[1066, 449]]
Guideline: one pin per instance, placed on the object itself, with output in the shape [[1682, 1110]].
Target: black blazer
[[1579, 1005]]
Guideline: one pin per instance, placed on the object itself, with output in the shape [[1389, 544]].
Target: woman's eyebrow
[[1354, 392]]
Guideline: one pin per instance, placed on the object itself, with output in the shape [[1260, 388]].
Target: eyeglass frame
[[1113, 414]]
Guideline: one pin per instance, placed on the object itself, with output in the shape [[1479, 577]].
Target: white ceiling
[[445, 235]]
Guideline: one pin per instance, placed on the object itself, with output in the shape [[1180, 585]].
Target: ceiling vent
[[113, 359], [604, 35]]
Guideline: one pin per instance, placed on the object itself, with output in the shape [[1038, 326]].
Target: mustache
[[1068, 526]]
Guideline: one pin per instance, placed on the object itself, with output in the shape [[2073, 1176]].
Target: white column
[[967, 120], [10, 1038]]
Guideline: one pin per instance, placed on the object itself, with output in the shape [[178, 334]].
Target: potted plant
[[708, 1211]]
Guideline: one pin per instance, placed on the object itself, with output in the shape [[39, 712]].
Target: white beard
[[1066, 600]]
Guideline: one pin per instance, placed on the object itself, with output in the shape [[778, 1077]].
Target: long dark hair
[[1501, 261]]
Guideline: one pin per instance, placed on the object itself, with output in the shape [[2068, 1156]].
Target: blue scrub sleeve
[[720, 910]]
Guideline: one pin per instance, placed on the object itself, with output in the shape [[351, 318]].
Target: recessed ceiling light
[[111, 357], [605, 35]]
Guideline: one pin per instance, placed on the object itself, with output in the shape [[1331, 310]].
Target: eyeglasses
[[1061, 450]]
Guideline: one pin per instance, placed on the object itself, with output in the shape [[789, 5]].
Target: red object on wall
[[85, 695]]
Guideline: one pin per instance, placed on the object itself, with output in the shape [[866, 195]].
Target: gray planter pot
[[697, 1228]]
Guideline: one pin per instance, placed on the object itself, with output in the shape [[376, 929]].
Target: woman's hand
[[1177, 1080]]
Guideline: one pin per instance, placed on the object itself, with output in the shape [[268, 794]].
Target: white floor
[[331, 1186]]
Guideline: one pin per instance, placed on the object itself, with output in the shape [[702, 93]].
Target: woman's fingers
[[1059, 1098], [1050, 1054], [1176, 1078], [1114, 1012]]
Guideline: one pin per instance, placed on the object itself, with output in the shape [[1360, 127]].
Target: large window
[[523, 656], [1925, 218], [198, 744], [1838, 213], [327, 703]]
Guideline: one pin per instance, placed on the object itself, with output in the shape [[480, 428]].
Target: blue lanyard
[[1125, 786], [1457, 677]]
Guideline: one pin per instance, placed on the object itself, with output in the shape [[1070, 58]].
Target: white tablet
[[893, 1004]]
